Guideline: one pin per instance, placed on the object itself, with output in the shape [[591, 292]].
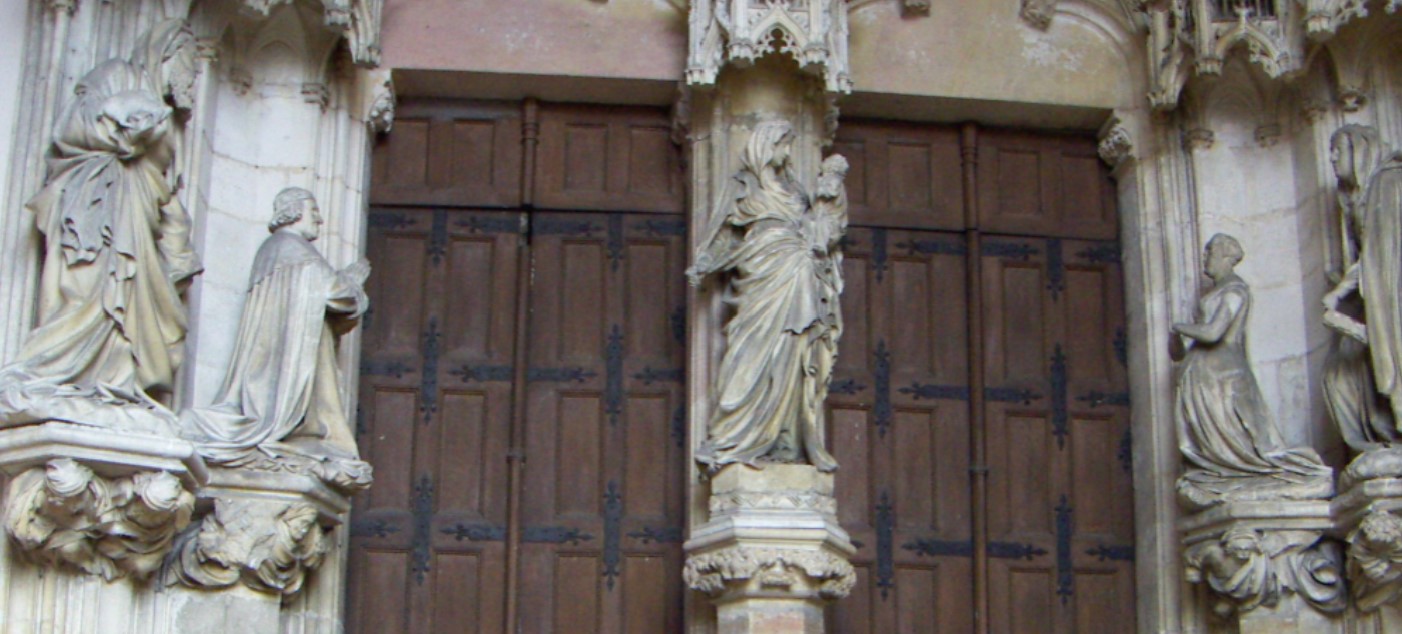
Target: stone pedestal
[[772, 552], [1268, 565]]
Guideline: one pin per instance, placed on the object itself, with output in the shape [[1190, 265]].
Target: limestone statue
[[1225, 431], [111, 323], [280, 406], [1363, 415], [783, 257]]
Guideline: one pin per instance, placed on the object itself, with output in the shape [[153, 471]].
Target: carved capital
[[1268, 134], [1198, 139], [922, 7], [1038, 13], [316, 93], [269, 546], [750, 571], [1352, 98], [1115, 145], [813, 32], [380, 115], [64, 513]]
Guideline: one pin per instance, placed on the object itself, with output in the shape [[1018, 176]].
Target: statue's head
[[769, 146], [296, 208], [166, 54], [1354, 151], [1241, 543], [831, 175], [1221, 256]]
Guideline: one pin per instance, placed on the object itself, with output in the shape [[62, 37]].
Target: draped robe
[[1380, 279], [782, 340], [116, 245]]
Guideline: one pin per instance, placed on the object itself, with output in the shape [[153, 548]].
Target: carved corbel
[[1247, 568], [1324, 17], [64, 513], [269, 546], [1375, 560]]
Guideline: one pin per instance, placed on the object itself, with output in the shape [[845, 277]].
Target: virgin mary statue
[[111, 323], [784, 285]]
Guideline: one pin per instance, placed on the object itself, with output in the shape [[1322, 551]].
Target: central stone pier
[[772, 553]]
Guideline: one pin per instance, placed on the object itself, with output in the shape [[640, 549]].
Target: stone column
[[765, 545]]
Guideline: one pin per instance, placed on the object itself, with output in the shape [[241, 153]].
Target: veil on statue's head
[[157, 56], [1364, 148], [758, 154], [759, 150]]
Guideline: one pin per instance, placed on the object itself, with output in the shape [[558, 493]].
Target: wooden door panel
[[608, 158], [902, 175], [1057, 422], [603, 491], [1044, 185], [898, 423], [449, 154], [435, 415]]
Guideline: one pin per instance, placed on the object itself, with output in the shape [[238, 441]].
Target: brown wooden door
[[603, 488], [601, 431], [1058, 535]]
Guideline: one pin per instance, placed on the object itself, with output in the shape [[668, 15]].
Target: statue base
[[1266, 564], [1368, 516], [772, 553]]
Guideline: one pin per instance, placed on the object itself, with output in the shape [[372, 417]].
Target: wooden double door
[[522, 377], [979, 410], [523, 366]]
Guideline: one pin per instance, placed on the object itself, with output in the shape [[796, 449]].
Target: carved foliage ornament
[[64, 513], [813, 32], [773, 568]]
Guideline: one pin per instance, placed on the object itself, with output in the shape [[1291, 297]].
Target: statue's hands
[[357, 271], [698, 271], [1345, 325]]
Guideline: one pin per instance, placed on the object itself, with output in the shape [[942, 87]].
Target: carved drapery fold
[[813, 32]]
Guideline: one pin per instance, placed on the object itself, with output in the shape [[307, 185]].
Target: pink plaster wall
[[635, 39]]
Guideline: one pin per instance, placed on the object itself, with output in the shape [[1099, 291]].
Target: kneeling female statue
[[1225, 431]]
